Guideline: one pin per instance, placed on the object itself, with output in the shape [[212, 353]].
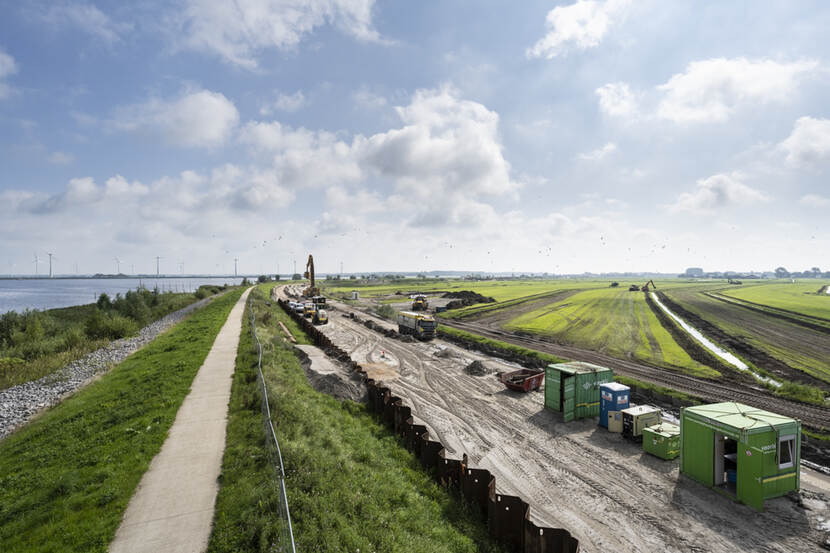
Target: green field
[[802, 348], [800, 297], [613, 321], [351, 485]]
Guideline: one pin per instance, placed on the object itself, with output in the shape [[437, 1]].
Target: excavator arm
[[309, 270]]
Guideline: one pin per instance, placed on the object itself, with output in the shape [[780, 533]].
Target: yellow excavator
[[312, 290], [645, 286]]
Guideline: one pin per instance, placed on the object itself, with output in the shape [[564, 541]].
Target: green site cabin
[[745, 453], [573, 388], [662, 440]]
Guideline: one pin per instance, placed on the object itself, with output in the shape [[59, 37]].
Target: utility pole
[[235, 262], [157, 266], [50, 264]]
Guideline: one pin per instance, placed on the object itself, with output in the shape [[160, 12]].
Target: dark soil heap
[[465, 298]]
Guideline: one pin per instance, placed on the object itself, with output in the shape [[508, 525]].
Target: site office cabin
[[745, 453]]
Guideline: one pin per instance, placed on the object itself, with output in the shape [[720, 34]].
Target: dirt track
[[606, 491]]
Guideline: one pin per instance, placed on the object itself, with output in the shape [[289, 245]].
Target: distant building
[[694, 272]]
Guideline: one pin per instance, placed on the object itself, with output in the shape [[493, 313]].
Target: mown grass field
[[799, 297], [66, 477], [351, 485], [613, 321]]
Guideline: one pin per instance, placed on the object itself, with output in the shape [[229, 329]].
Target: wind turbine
[[157, 265], [117, 266], [50, 263], [36, 262]]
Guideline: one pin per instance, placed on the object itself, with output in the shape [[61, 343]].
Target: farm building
[[746, 453], [573, 388]]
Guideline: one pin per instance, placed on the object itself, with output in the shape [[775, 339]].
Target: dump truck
[[416, 324], [419, 303], [308, 310]]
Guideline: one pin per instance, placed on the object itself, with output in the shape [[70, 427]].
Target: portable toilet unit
[[613, 396], [355, 295], [662, 440], [573, 388], [614, 421], [636, 419], [745, 453]]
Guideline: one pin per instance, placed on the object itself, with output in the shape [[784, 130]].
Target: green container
[[662, 440], [746, 453], [573, 388]]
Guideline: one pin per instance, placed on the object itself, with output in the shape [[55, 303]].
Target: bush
[[109, 325], [73, 338], [9, 364], [386, 311], [262, 278], [104, 302]]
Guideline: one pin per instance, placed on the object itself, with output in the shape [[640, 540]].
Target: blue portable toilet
[[613, 396]]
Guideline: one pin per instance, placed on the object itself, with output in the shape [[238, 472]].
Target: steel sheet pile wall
[[507, 516]]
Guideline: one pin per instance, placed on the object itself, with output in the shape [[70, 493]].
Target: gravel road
[[20, 403]]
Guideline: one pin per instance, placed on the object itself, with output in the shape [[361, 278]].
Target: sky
[[532, 136]]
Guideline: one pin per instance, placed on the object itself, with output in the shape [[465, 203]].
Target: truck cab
[[420, 325]]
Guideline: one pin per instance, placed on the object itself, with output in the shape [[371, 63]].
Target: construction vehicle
[[416, 324], [645, 286], [734, 281], [308, 310], [320, 317], [312, 290], [419, 303], [319, 301], [633, 288]]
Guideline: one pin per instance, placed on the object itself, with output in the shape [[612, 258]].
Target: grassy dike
[[66, 478], [351, 485]]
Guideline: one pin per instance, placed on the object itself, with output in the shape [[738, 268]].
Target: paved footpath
[[172, 508]]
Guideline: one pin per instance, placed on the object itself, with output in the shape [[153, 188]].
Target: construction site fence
[[285, 539], [507, 516]]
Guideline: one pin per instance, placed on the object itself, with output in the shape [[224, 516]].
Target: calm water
[[18, 295]]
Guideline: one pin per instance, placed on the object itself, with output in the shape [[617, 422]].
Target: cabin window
[[786, 451]]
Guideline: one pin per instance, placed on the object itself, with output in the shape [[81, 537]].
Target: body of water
[[18, 295]]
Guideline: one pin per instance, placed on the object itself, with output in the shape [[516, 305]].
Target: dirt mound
[[476, 368], [336, 385], [444, 353], [406, 338], [468, 295]]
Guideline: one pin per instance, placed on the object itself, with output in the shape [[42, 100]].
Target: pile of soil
[[476, 368], [444, 353], [465, 298]]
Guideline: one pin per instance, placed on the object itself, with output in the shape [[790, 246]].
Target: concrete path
[[172, 509]]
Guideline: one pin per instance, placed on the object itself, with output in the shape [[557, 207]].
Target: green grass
[[66, 478], [613, 321], [351, 485], [498, 344], [800, 297], [34, 344]]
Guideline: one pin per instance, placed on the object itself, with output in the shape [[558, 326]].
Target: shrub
[[386, 311], [110, 325], [73, 338], [104, 302]]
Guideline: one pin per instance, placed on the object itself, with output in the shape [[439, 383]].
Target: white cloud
[[710, 90], [61, 158], [599, 153], [809, 143], [285, 102], [7, 67], [617, 100], [89, 19], [716, 192], [447, 144], [581, 26], [195, 119], [367, 99], [238, 31], [814, 200]]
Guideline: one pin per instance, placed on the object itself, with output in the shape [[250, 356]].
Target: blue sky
[[535, 136]]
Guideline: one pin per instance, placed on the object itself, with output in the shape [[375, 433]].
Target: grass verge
[[658, 393], [351, 485], [66, 478]]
